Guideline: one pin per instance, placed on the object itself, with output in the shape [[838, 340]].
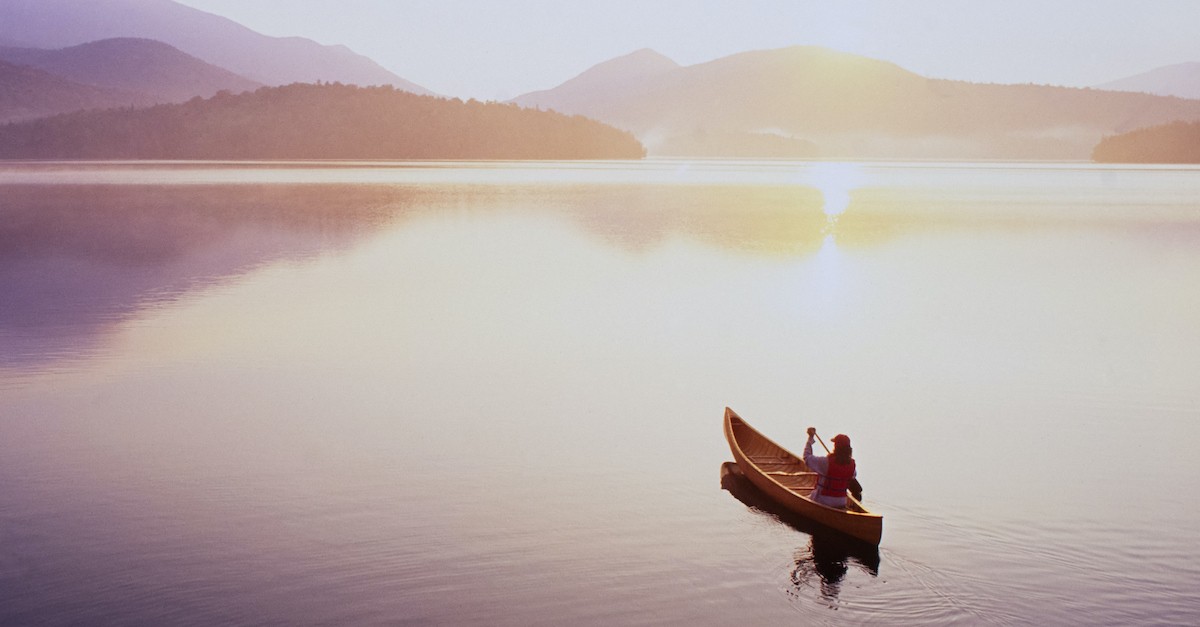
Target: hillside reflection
[[77, 260], [774, 221]]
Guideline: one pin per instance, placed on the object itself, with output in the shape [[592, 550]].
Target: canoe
[[827, 548], [786, 480]]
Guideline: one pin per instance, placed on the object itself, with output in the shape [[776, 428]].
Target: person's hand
[[812, 431]]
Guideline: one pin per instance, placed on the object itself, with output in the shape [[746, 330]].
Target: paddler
[[836, 472]]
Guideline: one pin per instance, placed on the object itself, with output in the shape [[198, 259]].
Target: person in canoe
[[836, 472]]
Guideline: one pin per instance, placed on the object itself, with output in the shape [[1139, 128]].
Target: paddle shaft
[[822, 443]]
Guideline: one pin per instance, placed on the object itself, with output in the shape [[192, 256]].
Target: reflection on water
[[75, 261], [83, 255], [823, 564], [80, 259], [835, 181], [491, 393]]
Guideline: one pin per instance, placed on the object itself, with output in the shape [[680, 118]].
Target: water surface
[[491, 393]]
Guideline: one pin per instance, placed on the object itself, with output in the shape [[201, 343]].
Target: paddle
[[855, 486], [827, 451]]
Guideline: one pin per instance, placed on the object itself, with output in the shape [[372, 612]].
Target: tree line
[[1177, 142], [318, 121]]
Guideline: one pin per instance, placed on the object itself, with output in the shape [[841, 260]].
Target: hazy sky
[[497, 49]]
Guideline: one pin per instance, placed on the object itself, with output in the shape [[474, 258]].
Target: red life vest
[[837, 478]]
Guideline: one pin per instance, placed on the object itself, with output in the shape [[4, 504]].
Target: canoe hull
[[785, 479]]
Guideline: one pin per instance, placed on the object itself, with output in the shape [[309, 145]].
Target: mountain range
[[326, 121], [123, 72], [214, 39], [1181, 80], [58, 56], [145, 66], [834, 104], [27, 93]]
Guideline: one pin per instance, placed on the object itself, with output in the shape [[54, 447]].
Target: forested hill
[[1178, 142], [330, 121]]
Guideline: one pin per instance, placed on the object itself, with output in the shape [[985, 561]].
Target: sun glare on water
[[835, 181]]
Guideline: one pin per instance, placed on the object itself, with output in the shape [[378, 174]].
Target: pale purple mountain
[[1181, 80], [216, 40], [27, 93], [140, 65], [602, 81]]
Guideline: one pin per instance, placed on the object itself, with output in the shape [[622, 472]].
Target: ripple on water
[[1059, 571], [832, 579]]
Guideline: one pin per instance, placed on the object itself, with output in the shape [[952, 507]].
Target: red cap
[[841, 440]]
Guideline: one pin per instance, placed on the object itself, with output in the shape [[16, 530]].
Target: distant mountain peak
[[1181, 80], [639, 63], [648, 56], [28, 92], [121, 42], [620, 73], [133, 64], [820, 101], [214, 39], [815, 58]]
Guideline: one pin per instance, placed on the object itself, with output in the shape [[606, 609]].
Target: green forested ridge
[[322, 121]]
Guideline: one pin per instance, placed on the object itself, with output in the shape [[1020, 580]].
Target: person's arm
[[815, 464], [854, 487]]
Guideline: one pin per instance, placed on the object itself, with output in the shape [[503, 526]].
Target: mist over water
[[490, 393]]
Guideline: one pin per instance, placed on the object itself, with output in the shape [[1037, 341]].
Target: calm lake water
[[491, 393]]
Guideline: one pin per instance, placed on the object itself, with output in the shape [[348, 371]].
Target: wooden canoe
[[786, 479]]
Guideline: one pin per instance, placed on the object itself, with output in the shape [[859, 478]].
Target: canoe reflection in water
[[829, 554]]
